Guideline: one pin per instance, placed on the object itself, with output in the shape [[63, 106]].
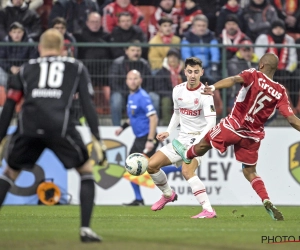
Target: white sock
[[199, 191], [161, 181]]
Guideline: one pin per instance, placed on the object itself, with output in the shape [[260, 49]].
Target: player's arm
[[85, 90], [210, 117], [153, 120], [294, 121], [125, 125], [14, 95], [286, 110], [175, 120], [150, 112], [224, 83]]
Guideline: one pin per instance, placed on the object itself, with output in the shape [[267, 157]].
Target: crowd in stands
[[185, 25]]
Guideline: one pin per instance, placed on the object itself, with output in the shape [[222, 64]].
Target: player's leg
[[138, 147], [198, 189], [246, 151], [23, 152], [258, 185], [7, 180], [73, 154], [198, 149], [156, 162], [87, 195]]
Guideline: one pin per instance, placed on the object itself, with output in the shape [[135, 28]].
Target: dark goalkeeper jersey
[[48, 86]]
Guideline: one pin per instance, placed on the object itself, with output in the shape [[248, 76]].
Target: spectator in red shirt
[[231, 7], [190, 10], [165, 9], [112, 11]]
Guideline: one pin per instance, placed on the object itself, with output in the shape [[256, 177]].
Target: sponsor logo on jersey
[[294, 161], [212, 108], [46, 93], [196, 101], [190, 112], [273, 92], [180, 99]]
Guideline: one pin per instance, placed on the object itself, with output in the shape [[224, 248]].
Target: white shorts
[[174, 158]]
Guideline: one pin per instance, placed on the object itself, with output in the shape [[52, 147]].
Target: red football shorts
[[245, 150]]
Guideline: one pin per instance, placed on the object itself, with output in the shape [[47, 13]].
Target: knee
[[152, 168], [249, 173], [187, 172], [12, 174]]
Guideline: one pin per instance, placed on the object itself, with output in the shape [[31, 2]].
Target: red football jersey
[[256, 102]]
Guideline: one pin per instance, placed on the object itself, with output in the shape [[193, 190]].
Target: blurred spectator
[[289, 11], [32, 4], [17, 11], [117, 75], [171, 74], [164, 36], [74, 12], [96, 59], [277, 35], [230, 8], [126, 32], [210, 56], [211, 9], [102, 4], [258, 15], [112, 11], [60, 24], [189, 11], [231, 35], [288, 60], [44, 12], [165, 9], [12, 57], [244, 58]]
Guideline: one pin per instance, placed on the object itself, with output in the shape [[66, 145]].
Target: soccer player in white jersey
[[196, 115]]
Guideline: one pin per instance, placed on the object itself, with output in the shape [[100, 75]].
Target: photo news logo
[[280, 239]]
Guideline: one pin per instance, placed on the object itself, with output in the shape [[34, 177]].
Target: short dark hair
[[133, 43], [59, 20], [125, 13], [165, 20], [192, 61]]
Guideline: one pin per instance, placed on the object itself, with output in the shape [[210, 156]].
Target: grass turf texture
[[42, 227]]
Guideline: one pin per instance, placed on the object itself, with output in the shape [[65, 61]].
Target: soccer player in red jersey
[[256, 102]]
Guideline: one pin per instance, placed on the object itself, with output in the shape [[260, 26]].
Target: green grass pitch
[[56, 228]]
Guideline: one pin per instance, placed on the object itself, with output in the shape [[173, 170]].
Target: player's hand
[[118, 131], [208, 90], [148, 147], [162, 136], [100, 149]]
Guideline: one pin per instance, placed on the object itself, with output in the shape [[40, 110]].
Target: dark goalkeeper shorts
[[24, 151]]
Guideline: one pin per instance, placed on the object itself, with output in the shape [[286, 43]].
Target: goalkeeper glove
[[100, 149]]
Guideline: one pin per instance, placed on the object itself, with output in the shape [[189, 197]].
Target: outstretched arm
[[224, 83], [294, 121]]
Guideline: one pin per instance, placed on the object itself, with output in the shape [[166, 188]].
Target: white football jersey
[[193, 107]]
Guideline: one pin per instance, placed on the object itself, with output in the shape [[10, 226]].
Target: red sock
[[191, 152], [259, 187]]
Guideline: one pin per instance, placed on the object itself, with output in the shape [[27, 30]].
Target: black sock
[[5, 184], [87, 193]]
